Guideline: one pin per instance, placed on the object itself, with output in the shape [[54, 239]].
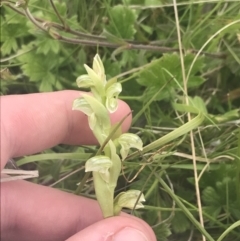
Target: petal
[[128, 199], [84, 81], [111, 104], [92, 120], [112, 93], [133, 140], [100, 164], [98, 84], [114, 90], [127, 141], [92, 74], [99, 110], [124, 150], [98, 68], [82, 105]]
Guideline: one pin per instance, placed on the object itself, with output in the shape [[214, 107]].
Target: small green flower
[[130, 199], [106, 168], [98, 68], [95, 110], [95, 79], [112, 93], [106, 92], [100, 164], [82, 105], [84, 81], [127, 141]]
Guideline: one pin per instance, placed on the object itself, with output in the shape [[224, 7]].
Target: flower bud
[[98, 68]]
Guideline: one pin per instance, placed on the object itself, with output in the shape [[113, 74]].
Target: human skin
[[34, 122]]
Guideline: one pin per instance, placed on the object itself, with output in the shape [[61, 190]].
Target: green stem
[[83, 181], [104, 194], [238, 170], [185, 210]]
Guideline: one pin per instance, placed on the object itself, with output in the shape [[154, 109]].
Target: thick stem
[[105, 195]]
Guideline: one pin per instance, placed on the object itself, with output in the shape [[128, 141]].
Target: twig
[[18, 175], [199, 203], [57, 13], [94, 40], [170, 217], [33, 20]]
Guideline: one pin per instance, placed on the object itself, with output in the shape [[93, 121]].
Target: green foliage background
[[138, 43]]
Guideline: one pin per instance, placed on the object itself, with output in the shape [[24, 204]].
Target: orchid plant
[[106, 167]]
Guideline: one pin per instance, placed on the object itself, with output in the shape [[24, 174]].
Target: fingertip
[[35, 122], [116, 228]]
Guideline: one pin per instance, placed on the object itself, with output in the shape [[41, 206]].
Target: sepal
[[112, 93], [84, 81], [129, 199], [100, 164], [127, 141]]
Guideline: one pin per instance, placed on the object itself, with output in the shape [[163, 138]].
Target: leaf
[[16, 24], [9, 33], [62, 10], [122, 22], [8, 46], [162, 95], [162, 232], [111, 68], [211, 197], [185, 128], [180, 223], [47, 83], [146, 28], [198, 103], [38, 68], [156, 75], [214, 212], [46, 45]]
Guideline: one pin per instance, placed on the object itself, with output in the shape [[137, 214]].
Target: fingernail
[[130, 234]]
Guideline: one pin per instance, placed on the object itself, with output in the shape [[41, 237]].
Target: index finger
[[34, 122]]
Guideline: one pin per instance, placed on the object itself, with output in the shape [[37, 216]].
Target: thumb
[[120, 228]]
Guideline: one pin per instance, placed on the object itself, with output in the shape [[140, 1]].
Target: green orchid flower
[[98, 117], [130, 199], [98, 68], [106, 167], [95, 79], [100, 164], [127, 141], [112, 93]]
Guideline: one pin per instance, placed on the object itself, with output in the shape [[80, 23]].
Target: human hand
[[30, 124]]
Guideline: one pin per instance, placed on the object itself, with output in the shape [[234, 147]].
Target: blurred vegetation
[[44, 45]]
